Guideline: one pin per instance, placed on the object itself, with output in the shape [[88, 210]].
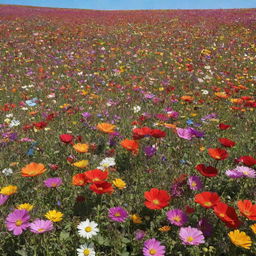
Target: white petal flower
[[7, 171], [86, 250], [87, 229]]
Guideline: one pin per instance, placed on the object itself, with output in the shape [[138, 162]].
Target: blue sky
[[137, 4]]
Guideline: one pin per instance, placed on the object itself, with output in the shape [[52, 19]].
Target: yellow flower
[[165, 229], [81, 147], [54, 216], [119, 183], [9, 190], [106, 127], [240, 239], [26, 206], [136, 219], [253, 228], [81, 164]]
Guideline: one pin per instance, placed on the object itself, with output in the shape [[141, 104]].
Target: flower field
[[127, 132]]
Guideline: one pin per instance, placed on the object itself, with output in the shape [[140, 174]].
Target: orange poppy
[[106, 127], [81, 147], [207, 199], [33, 169], [131, 145], [187, 98], [79, 180], [218, 153], [247, 209]]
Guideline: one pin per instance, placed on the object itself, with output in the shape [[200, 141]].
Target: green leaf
[[64, 235], [22, 252]]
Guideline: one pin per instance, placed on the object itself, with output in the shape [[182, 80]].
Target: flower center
[[88, 229], [156, 201], [193, 184], [117, 214], [222, 215], [40, 230], [54, 184], [208, 204], [190, 239], [246, 173], [152, 251], [18, 222], [176, 218], [96, 179], [86, 252]]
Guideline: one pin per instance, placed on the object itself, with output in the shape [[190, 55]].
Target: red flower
[[224, 126], [247, 209], [131, 145], [79, 180], [156, 199], [207, 199], [226, 142], [66, 138], [207, 171], [156, 133], [189, 210], [139, 133], [96, 176], [102, 188], [218, 153], [40, 125], [227, 214], [247, 160]]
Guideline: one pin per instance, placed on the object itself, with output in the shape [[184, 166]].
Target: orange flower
[[79, 180], [131, 145], [247, 209], [33, 169], [106, 127], [187, 98], [221, 95], [81, 147], [218, 153]]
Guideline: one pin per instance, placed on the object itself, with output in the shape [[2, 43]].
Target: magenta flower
[[139, 234], [241, 171], [191, 236], [118, 214], [41, 226], [195, 183], [184, 133], [234, 174], [17, 221], [53, 182], [3, 199], [177, 217], [153, 247]]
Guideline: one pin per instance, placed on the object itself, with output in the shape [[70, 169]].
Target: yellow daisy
[[240, 239]]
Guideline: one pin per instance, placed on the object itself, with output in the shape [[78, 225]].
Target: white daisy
[[87, 229], [106, 163], [7, 171], [86, 250], [136, 109]]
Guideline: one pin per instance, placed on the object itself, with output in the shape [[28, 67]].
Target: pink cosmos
[[177, 217], [195, 183], [118, 214], [41, 226], [191, 236], [3, 199], [153, 247], [53, 182]]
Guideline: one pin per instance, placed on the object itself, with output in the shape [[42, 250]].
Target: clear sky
[[137, 4]]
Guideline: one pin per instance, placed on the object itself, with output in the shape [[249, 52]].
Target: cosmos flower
[[191, 236], [153, 247], [117, 214], [195, 183], [177, 217], [3, 199], [41, 226], [53, 182]]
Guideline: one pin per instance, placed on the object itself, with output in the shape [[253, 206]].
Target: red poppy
[[227, 214], [66, 138], [207, 199], [102, 188], [207, 171], [224, 126], [156, 133], [96, 176], [226, 142], [40, 125], [131, 145], [247, 160], [218, 153], [156, 199], [79, 180], [139, 133], [247, 209]]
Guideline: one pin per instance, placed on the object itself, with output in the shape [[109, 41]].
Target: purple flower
[[191, 236], [177, 217], [153, 247], [86, 115], [173, 114], [17, 221], [241, 171], [53, 182], [210, 116], [189, 133], [205, 226], [41, 226], [139, 234], [118, 214], [149, 151], [195, 183], [196, 133], [3, 199], [234, 174]]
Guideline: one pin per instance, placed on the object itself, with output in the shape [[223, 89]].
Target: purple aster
[[195, 183], [186, 133], [41, 226], [196, 133], [246, 171], [149, 151], [3, 199], [118, 214], [191, 236], [53, 182], [177, 217], [205, 226], [234, 174], [17, 221], [86, 115], [139, 234], [153, 247]]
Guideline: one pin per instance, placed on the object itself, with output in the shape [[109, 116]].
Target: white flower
[[204, 92], [107, 162], [86, 250], [136, 109], [7, 171], [9, 115], [200, 80], [14, 123], [87, 229]]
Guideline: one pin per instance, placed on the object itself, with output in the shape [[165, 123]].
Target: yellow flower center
[[54, 184], [208, 204], [41, 230], [246, 173], [117, 214], [155, 202], [86, 252], [152, 251], [193, 184], [222, 215], [190, 239], [176, 218], [96, 179], [18, 222], [88, 229]]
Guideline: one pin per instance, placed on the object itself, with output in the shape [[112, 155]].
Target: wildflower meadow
[[127, 132]]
